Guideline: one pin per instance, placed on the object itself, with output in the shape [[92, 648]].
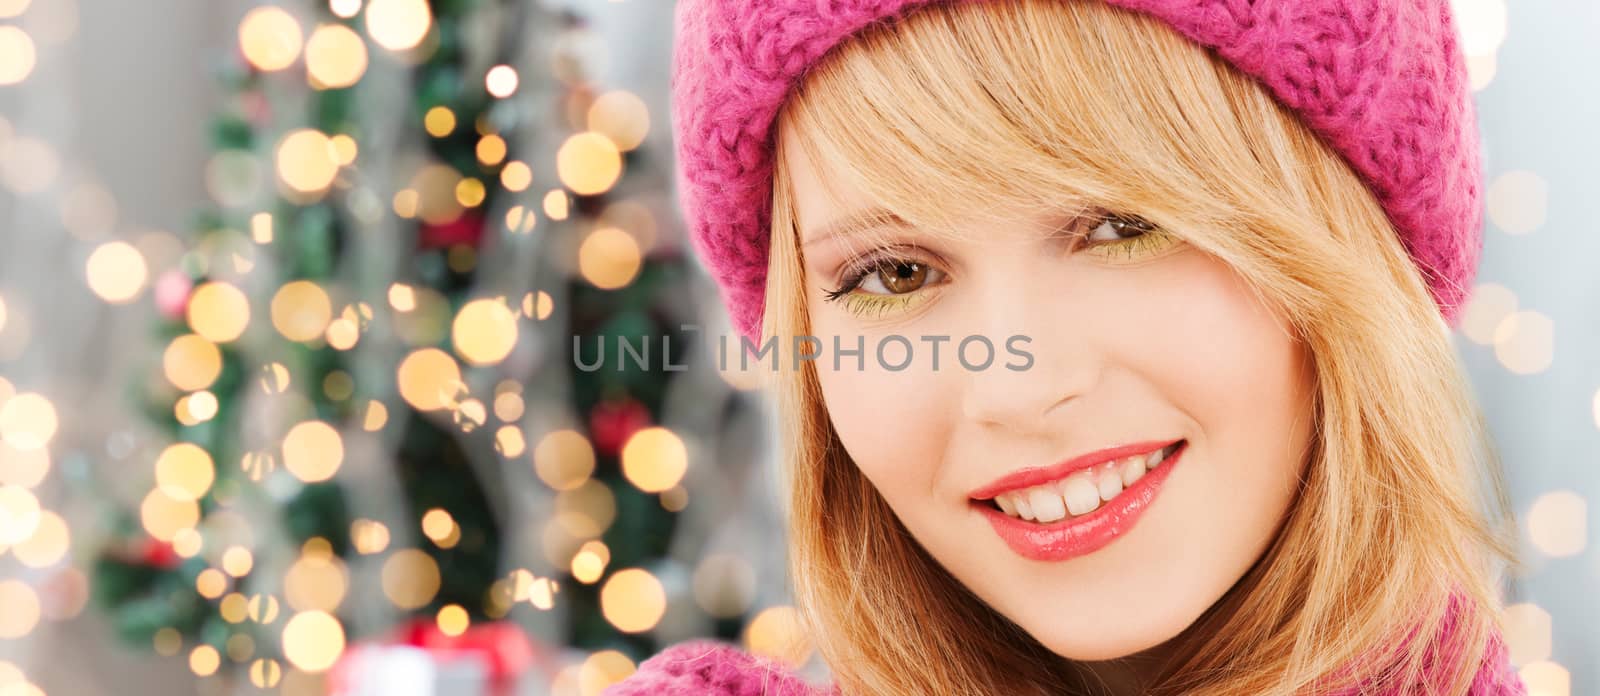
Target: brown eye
[[900, 278], [1120, 227]]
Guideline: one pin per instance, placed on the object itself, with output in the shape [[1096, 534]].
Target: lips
[[1082, 534]]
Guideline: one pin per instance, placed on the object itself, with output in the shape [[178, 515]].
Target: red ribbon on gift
[[500, 646]]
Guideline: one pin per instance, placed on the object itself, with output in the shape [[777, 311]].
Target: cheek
[[894, 424]]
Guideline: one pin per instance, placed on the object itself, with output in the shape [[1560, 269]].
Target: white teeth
[[1132, 470], [1047, 506], [1024, 510], [1110, 484], [1081, 494], [1078, 494], [1006, 504]]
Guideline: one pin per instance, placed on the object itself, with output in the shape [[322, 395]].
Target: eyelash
[[857, 269]]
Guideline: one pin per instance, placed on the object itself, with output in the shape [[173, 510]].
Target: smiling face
[[1137, 340]]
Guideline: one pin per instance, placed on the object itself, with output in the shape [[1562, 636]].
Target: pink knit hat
[[1382, 81]]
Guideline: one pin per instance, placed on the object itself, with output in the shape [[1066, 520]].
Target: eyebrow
[[856, 222]]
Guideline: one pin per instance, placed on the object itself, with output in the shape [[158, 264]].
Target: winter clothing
[[1382, 81], [712, 668]]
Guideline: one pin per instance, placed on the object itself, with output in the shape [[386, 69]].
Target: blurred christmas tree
[[309, 370]]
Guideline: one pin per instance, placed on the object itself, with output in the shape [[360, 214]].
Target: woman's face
[[1127, 348]]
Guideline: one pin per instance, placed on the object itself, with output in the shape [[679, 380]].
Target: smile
[[1078, 507], [1081, 492]]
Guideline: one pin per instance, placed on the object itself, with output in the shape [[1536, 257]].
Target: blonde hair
[[962, 109]]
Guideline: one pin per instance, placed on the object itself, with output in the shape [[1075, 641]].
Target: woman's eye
[[885, 285], [1127, 236], [897, 278]]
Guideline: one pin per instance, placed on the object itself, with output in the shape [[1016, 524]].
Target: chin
[[1101, 643]]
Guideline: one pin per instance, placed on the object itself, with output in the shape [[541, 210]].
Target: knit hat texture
[[1382, 82]]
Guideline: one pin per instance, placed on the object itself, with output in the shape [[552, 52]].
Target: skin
[[1149, 345]]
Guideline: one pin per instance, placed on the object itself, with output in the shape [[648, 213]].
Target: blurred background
[[294, 299]]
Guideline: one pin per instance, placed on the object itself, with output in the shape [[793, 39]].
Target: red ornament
[[172, 293], [158, 554], [501, 648], [467, 229], [612, 422]]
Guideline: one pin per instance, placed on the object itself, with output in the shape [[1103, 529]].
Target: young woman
[[1222, 445]]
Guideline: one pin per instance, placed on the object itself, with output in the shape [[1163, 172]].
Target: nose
[[1046, 358]]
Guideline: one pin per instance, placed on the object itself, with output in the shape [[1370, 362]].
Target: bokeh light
[[633, 600], [301, 310], [307, 161], [218, 311], [313, 640], [654, 459], [564, 459], [484, 331], [184, 471], [270, 38], [116, 272], [398, 25], [609, 258], [313, 451], [501, 81], [621, 116], [335, 56], [589, 163], [17, 55]]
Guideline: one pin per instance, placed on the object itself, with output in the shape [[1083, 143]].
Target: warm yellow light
[[28, 421], [622, 117], [335, 56], [491, 149], [164, 516], [301, 310], [313, 641], [204, 660], [654, 459], [564, 459], [470, 192], [9, 9], [603, 669], [484, 331], [437, 524], [589, 163], [344, 8], [501, 81], [429, 379], [307, 161], [516, 176], [270, 38], [555, 204], [313, 451], [609, 258], [191, 362], [48, 543], [116, 272], [538, 305], [508, 441], [345, 148], [19, 515], [398, 25], [405, 203], [777, 633], [22, 609], [316, 582], [377, 415], [218, 311], [633, 600], [453, 620], [185, 471], [440, 121], [369, 536], [237, 561], [410, 579]]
